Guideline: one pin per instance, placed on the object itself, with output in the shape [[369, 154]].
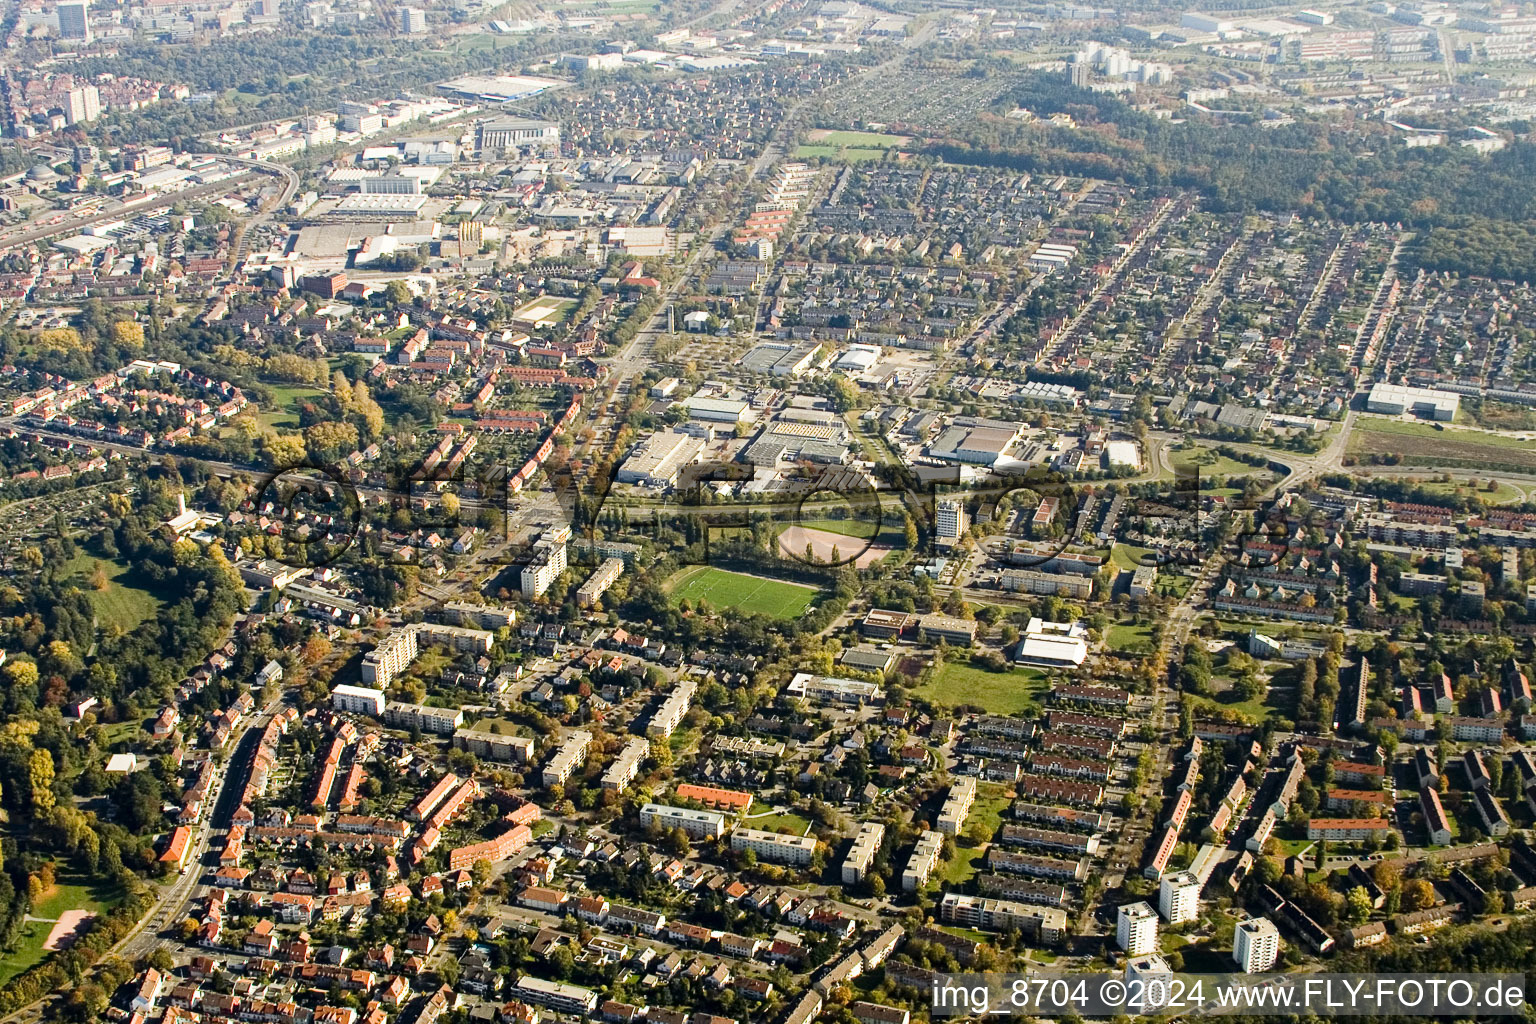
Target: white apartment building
[[1136, 929], [360, 700], [1178, 897], [1043, 924], [556, 995], [396, 651], [957, 806], [697, 824], [775, 847], [598, 583], [925, 855], [1143, 976], [441, 721], [626, 767], [950, 519], [571, 756], [672, 710], [865, 845], [1256, 945], [546, 565]]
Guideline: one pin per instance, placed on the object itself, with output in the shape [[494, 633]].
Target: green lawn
[[788, 822], [998, 693], [1128, 556], [992, 800], [286, 399], [866, 140], [1291, 847], [864, 529], [751, 594], [967, 933], [28, 952], [1173, 584], [499, 727], [1278, 700], [70, 893], [1130, 637], [851, 154], [76, 892], [129, 598], [1211, 464], [683, 740], [1459, 488], [117, 732]]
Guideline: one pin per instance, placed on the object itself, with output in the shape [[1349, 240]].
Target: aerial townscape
[[734, 511]]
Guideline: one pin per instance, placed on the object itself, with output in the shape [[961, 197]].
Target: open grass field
[[787, 821], [29, 950], [863, 140], [848, 154], [752, 594], [1128, 556], [861, 528], [1422, 444], [997, 693], [129, 598], [1134, 638], [1500, 495], [992, 800], [545, 311], [1277, 701], [286, 399], [1213, 465], [76, 892], [69, 893]]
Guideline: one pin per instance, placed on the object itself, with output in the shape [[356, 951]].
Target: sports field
[[848, 154], [865, 140], [545, 311], [825, 543], [752, 594]]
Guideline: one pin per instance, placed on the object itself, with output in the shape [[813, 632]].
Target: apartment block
[[775, 847], [925, 856], [957, 806], [1042, 924], [626, 767], [1136, 929], [862, 854], [571, 756], [697, 824], [670, 714]]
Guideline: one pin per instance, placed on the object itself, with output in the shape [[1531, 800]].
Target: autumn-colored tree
[[128, 333], [20, 675], [316, 648], [1418, 894], [283, 451], [327, 439], [40, 777]]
